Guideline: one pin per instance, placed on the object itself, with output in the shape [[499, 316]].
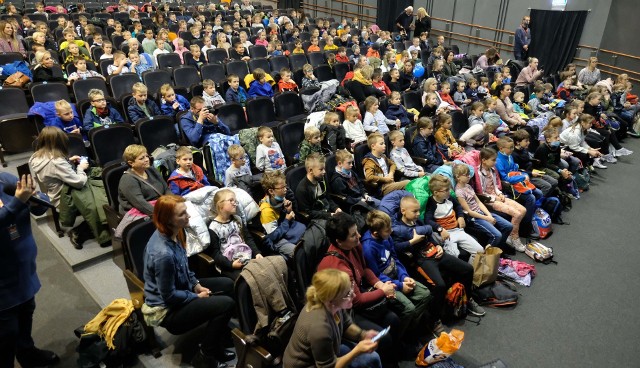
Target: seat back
[[109, 142], [14, 101], [233, 116], [76, 145], [136, 236], [186, 76], [412, 100], [260, 110], [111, 175], [460, 123], [54, 91], [279, 62], [156, 131], [81, 87], [17, 133], [316, 58], [257, 51], [288, 104], [290, 135], [170, 60], [341, 70], [215, 72], [10, 57], [307, 256], [324, 73], [358, 154], [261, 63], [121, 84], [154, 79], [239, 68], [217, 56], [297, 61]]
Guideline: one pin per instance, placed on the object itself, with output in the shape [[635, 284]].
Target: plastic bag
[[440, 348]]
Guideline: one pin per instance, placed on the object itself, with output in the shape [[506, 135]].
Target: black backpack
[[499, 294]]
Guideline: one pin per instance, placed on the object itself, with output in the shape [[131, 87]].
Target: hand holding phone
[[381, 334]]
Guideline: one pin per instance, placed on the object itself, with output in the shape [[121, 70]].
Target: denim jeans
[[497, 233], [370, 360], [529, 202]]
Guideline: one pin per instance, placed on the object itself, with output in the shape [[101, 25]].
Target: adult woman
[[159, 22], [53, 170], [42, 71], [174, 298], [20, 281], [529, 74], [316, 339], [504, 107], [489, 59], [422, 22], [8, 40], [345, 254], [591, 74], [449, 69], [407, 80], [361, 85], [141, 183]]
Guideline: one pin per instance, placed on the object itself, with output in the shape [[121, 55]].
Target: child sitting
[[460, 97], [341, 56], [178, 47], [314, 45], [139, 106], [354, 130], [479, 135], [489, 112], [69, 38], [445, 89], [73, 53], [445, 215], [269, 156], [82, 72], [494, 227], [519, 107], [506, 75], [333, 134], [107, 49], [374, 119], [423, 144], [396, 111], [346, 182], [239, 52], [66, 118], [483, 88], [472, 90], [311, 191], [564, 91], [497, 80], [239, 165], [277, 216], [260, 86], [534, 102], [119, 65], [227, 231], [197, 59], [411, 299], [286, 83], [137, 66], [311, 143], [475, 113], [188, 176], [210, 95], [309, 80], [400, 156], [235, 93], [172, 103], [504, 166], [160, 49], [394, 83], [523, 158], [297, 47], [548, 159], [379, 171], [377, 82], [100, 113], [444, 136]]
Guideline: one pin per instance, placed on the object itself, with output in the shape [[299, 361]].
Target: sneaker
[[623, 152], [35, 357], [438, 328], [509, 242], [516, 243], [609, 158], [597, 163], [633, 133], [475, 309]]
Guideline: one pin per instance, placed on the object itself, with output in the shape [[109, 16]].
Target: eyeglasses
[[351, 293], [231, 200], [99, 100], [280, 188]]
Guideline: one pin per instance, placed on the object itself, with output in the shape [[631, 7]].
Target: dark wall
[[621, 35]]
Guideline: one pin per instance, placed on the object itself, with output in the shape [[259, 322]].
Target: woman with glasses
[[232, 247], [317, 339], [141, 184]]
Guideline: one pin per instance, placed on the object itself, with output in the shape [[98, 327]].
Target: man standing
[[404, 22], [523, 38]]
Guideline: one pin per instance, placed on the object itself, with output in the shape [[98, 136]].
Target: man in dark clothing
[[405, 20], [311, 192], [522, 40]]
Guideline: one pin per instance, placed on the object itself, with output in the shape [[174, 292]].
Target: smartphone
[[381, 334], [23, 170]]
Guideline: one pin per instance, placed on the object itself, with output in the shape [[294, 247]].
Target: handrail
[[351, 3], [473, 37], [474, 25], [607, 71], [331, 10], [611, 67], [610, 52]]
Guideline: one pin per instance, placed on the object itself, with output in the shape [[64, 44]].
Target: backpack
[[237, 249], [164, 159], [496, 295], [552, 206], [249, 141], [541, 223], [582, 178], [456, 305], [540, 253]]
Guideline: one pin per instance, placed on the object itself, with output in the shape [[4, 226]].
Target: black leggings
[[215, 310], [608, 138], [449, 266], [15, 331], [389, 347]]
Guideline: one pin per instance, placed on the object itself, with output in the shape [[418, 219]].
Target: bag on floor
[[552, 206], [456, 302], [485, 266], [497, 295], [539, 252], [541, 223], [582, 178], [440, 348]]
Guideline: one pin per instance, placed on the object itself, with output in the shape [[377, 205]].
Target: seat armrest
[[202, 265], [136, 288], [420, 160], [249, 353]]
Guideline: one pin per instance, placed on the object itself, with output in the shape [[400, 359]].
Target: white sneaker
[[597, 163], [516, 243], [623, 152], [609, 158]]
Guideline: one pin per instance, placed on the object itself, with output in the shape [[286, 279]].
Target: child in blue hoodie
[[423, 144], [260, 86], [395, 110], [172, 103], [235, 93], [412, 298], [505, 165]]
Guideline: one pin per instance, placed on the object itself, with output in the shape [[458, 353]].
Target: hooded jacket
[[427, 148], [92, 120], [52, 173], [403, 233], [136, 113], [399, 112], [260, 89], [348, 185], [181, 185], [373, 172], [167, 107], [505, 165], [379, 254]]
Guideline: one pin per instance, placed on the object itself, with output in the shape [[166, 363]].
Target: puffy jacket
[[47, 110], [167, 107], [136, 113], [181, 185], [92, 120], [403, 233], [260, 89], [399, 112], [390, 204]]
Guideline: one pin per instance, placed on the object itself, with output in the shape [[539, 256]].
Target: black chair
[[290, 135], [239, 68], [185, 76], [170, 60], [261, 112], [316, 58], [278, 63], [17, 134], [135, 240], [109, 142], [217, 56], [257, 51], [104, 66], [215, 72], [460, 123], [341, 70], [398, 46], [55, 91], [154, 79], [297, 61], [261, 63], [13, 101], [249, 354], [81, 87], [10, 57], [289, 107], [307, 256], [122, 84], [156, 131], [412, 100], [358, 154], [233, 116], [324, 73]]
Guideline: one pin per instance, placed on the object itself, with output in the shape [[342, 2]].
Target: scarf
[[357, 76], [103, 113]]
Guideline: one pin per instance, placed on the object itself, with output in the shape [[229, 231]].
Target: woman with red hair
[[174, 298]]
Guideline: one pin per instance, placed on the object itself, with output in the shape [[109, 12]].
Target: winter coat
[[378, 254], [52, 173], [399, 112], [92, 120], [260, 89], [167, 107], [180, 184], [427, 148], [136, 113], [349, 186]]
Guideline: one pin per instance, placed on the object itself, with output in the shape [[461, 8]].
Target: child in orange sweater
[[444, 136]]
